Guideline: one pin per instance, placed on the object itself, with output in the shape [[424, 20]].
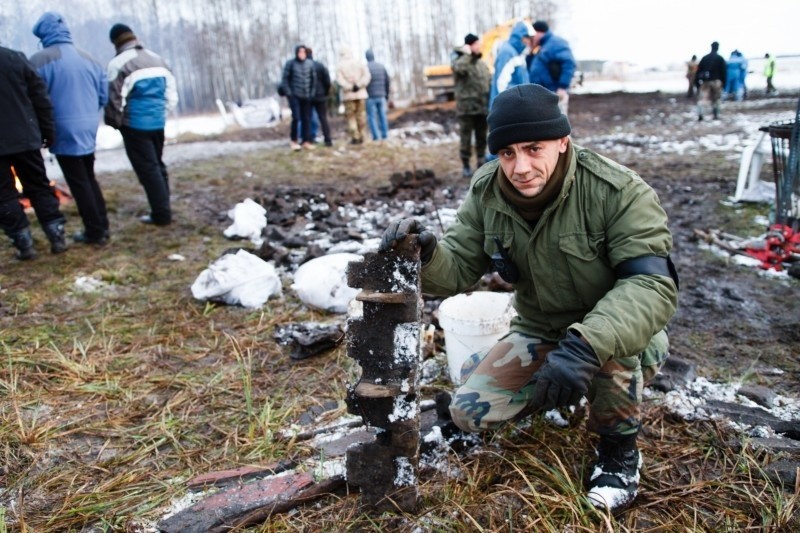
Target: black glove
[[398, 230], [355, 88], [47, 141], [565, 376]]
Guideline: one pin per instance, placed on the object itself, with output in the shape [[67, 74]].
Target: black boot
[[614, 482], [480, 162], [466, 171], [56, 236], [23, 242]]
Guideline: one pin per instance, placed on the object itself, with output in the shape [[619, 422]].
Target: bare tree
[[235, 49]]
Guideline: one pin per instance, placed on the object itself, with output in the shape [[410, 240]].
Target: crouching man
[[585, 244]]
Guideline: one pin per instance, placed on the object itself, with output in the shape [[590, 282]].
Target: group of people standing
[[363, 87], [714, 79], [532, 54], [53, 100]]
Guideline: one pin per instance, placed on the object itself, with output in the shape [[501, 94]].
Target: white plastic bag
[[249, 221], [322, 282], [238, 279]]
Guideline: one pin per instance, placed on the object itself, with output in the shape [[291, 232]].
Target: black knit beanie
[[120, 34], [470, 38], [525, 113]]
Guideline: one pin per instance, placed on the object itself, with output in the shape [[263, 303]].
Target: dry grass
[[109, 401]]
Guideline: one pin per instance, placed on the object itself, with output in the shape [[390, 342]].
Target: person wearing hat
[[585, 244], [78, 88], [472, 79], [510, 67], [553, 66], [142, 90]]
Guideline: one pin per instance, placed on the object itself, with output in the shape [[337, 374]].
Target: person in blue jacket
[[553, 65], [510, 68], [78, 88], [141, 92], [734, 89]]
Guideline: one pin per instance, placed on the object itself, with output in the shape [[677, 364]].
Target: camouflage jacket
[[472, 80], [605, 214]]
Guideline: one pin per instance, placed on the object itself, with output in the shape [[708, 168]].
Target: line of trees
[[235, 49]]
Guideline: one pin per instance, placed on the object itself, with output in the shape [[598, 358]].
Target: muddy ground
[[732, 322], [110, 395]]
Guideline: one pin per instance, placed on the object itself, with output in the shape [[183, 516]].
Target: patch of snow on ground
[[326, 469], [690, 403], [87, 284]]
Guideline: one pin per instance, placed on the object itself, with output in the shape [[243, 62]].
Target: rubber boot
[[614, 481], [23, 242], [57, 237]]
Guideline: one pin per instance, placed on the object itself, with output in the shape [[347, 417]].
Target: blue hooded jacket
[[554, 65], [510, 68], [77, 84]]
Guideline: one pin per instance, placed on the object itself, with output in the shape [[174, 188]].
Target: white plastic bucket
[[473, 322]]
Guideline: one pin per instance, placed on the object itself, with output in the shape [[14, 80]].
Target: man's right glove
[[565, 376], [398, 230]]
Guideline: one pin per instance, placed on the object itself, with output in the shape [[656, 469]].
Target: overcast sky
[[666, 31]]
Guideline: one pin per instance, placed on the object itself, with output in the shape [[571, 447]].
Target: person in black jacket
[[297, 84], [711, 73], [322, 90], [26, 125]]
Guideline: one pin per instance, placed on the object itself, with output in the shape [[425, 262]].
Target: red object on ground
[[781, 245]]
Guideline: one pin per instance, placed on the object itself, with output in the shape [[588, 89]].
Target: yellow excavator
[[439, 78]]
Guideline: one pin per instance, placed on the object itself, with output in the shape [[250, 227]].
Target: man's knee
[[478, 411]]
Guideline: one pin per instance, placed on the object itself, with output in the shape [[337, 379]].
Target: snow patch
[[405, 476], [88, 284], [406, 343]]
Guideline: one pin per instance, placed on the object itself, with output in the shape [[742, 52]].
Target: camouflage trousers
[[710, 94], [355, 113], [467, 124], [496, 385]]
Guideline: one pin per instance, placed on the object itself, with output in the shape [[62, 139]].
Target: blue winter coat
[[510, 68], [77, 85], [554, 65], [142, 89], [735, 71]]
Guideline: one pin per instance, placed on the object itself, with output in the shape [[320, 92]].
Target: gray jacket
[[379, 79]]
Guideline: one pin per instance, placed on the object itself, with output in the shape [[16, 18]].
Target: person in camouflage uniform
[[585, 244], [472, 80]]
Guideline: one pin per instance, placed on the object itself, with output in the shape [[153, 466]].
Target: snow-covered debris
[[249, 221], [692, 403], [238, 279], [322, 282], [88, 284]]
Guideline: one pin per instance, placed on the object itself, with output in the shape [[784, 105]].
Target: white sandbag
[[249, 221], [322, 282], [238, 279]]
